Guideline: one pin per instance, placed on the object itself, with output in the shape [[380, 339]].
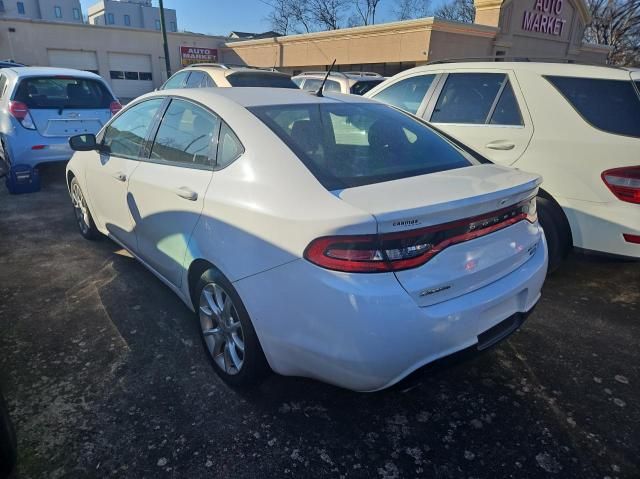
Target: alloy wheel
[[221, 328], [80, 208]]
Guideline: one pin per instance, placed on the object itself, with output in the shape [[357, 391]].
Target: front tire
[[83, 216], [556, 231], [227, 332]]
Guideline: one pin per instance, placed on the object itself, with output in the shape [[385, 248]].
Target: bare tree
[[280, 17], [410, 9], [365, 12], [616, 23], [457, 11], [326, 14]]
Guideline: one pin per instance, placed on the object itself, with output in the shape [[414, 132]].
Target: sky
[[219, 17]]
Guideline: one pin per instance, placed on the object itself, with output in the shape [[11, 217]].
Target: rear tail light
[[624, 183], [629, 238], [409, 249], [20, 111], [115, 107]]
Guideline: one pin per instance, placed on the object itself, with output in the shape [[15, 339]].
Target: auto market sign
[[190, 55], [544, 18]]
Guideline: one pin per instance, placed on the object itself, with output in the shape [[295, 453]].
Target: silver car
[[40, 108]]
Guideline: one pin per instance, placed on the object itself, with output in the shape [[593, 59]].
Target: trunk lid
[[56, 123], [449, 197]]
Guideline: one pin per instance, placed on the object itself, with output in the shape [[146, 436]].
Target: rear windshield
[[63, 92], [260, 79], [610, 105], [347, 144], [362, 87]]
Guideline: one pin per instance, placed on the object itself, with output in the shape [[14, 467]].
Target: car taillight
[[20, 112], [409, 249], [115, 107], [624, 183]]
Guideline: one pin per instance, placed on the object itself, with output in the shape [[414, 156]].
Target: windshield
[[347, 144], [260, 79], [63, 92], [362, 87]]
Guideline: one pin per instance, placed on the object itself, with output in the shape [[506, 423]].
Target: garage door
[[80, 60], [130, 75]]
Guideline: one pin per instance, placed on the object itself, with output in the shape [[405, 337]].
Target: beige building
[[131, 13], [132, 59], [509, 28]]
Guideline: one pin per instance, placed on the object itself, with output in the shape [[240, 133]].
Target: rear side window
[[229, 147], [362, 87], [185, 135], [195, 79], [408, 93], [3, 82], [175, 81], [63, 92], [126, 134], [260, 79], [467, 98], [609, 105], [346, 144]]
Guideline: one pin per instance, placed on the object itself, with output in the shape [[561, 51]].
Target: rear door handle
[[120, 176], [501, 145], [186, 193]]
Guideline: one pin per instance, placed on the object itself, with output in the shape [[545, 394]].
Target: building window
[[146, 76], [76, 14], [127, 20], [110, 19], [57, 11], [173, 26], [20, 8], [157, 24]]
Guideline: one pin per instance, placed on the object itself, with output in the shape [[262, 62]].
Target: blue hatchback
[[40, 108]]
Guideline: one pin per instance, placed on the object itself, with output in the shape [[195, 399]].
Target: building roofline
[[429, 23], [108, 27]]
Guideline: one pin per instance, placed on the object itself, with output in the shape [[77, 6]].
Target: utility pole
[[164, 40]]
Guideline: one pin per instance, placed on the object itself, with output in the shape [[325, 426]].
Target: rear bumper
[[601, 226], [364, 332], [21, 151]]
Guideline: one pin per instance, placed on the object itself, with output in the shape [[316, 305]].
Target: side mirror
[[86, 142]]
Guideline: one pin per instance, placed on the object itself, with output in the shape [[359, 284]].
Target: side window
[[3, 82], [506, 111], [194, 79], [408, 93], [331, 86], [298, 81], [229, 147], [609, 105], [467, 98], [186, 134], [127, 133], [312, 84], [207, 82], [175, 81]]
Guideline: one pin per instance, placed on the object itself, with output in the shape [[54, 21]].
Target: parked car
[[40, 108], [578, 126], [8, 445], [207, 75], [356, 83], [338, 238]]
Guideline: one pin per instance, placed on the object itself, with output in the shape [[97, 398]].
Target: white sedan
[[329, 237]]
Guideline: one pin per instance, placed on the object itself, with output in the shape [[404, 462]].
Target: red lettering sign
[[190, 55], [544, 18]]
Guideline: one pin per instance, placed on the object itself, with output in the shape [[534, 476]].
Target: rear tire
[[227, 332], [556, 230], [81, 210]]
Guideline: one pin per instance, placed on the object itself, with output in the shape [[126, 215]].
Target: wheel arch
[[195, 271], [563, 217]]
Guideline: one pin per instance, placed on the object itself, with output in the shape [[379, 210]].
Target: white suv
[[356, 83], [578, 126]]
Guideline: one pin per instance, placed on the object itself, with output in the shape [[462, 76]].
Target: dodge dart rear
[[328, 237]]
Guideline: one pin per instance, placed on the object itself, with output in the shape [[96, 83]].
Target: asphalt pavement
[[105, 376]]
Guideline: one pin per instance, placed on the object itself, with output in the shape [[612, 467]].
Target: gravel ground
[[105, 376]]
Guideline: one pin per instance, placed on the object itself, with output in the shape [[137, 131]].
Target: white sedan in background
[[334, 238]]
